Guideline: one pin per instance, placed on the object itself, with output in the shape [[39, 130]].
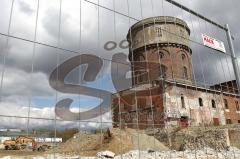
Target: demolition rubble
[[189, 143]]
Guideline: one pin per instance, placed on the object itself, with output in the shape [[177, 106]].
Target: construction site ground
[[201, 143]]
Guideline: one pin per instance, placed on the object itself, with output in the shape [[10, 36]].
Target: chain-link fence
[[134, 78]]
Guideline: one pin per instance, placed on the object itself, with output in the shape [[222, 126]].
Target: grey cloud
[[224, 11], [20, 83], [51, 22], [25, 7]]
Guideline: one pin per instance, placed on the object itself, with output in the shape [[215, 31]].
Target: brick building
[[162, 91]]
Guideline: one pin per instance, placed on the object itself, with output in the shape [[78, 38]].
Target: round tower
[[159, 49]]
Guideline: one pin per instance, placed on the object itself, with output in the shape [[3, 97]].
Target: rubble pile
[[192, 139], [215, 139], [174, 143], [206, 153]]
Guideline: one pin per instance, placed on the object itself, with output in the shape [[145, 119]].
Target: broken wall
[[189, 106]]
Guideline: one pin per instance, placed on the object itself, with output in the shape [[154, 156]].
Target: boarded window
[[139, 77], [158, 31], [185, 74], [215, 122]]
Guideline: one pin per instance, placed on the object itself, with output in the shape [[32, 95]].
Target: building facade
[[162, 91]]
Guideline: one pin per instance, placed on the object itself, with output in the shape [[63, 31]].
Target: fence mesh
[[83, 77]]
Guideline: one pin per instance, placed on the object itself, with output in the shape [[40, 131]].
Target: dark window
[[158, 31], [228, 121], [136, 58], [237, 106], [125, 107], [161, 55], [238, 121], [185, 74], [225, 103], [182, 101], [162, 71], [183, 56], [139, 57], [213, 103], [200, 102]]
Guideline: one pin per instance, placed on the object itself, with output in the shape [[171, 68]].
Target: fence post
[[233, 57]]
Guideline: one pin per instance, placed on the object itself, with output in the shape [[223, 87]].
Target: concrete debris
[[213, 138], [105, 154], [193, 138], [150, 151], [206, 153]]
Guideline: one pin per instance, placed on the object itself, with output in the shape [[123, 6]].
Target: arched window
[[161, 55], [182, 101], [185, 73], [225, 103], [213, 103], [183, 56], [139, 57], [162, 71], [200, 102]]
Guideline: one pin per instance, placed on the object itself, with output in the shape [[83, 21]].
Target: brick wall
[[139, 109], [147, 65], [232, 113]]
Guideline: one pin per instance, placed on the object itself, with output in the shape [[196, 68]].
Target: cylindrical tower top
[[161, 29], [159, 49]]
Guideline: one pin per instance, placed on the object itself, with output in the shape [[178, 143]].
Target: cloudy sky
[[84, 28]]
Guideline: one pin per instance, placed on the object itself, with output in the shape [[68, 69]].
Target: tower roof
[[159, 20]]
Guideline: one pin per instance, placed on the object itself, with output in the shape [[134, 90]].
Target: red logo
[[209, 40]]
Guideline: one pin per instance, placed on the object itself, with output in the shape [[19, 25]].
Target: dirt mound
[[116, 140], [81, 142], [139, 139]]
